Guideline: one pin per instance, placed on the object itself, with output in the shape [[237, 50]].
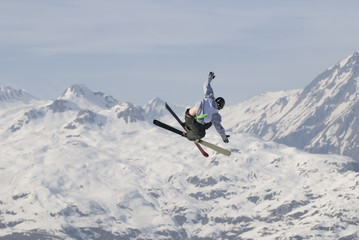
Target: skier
[[205, 113]]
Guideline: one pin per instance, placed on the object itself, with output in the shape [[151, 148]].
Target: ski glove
[[211, 75], [225, 139]]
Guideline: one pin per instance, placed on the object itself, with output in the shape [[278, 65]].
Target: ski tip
[[227, 154]]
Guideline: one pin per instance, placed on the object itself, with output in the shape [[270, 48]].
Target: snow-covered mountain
[[10, 95], [85, 166], [322, 118], [86, 98]]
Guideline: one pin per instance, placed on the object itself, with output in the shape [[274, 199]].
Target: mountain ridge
[[321, 119], [10, 94], [86, 98], [315, 119]]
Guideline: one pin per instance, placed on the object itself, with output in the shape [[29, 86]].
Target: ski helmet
[[220, 103]]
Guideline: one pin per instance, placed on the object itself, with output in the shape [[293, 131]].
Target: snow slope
[[77, 168]]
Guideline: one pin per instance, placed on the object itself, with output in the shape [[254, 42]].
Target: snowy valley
[[85, 166]]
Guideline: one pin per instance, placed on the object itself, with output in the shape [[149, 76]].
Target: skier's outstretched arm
[[208, 91], [216, 120]]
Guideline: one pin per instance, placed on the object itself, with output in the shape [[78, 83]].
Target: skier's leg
[[197, 130], [207, 125], [196, 134]]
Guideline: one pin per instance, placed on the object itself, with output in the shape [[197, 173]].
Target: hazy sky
[[139, 49]]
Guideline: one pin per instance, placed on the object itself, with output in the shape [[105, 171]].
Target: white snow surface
[[69, 168]]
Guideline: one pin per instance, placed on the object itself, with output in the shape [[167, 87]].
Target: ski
[[174, 115], [204, 153], [204, 143], [214, 147], [167, 127]]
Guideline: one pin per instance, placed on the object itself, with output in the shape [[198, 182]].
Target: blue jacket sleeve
[[216, 120], [208, 91]]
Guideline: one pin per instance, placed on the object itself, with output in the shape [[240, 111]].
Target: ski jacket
[[207, 108]]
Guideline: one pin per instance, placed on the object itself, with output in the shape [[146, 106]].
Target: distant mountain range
[[321, 118], [86, 166]]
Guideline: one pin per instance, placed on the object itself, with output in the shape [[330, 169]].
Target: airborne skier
[[205, 113], [199, 118]]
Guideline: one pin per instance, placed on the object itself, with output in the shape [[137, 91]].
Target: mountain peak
[[349, 61], [129, 112], [155, 108], [86, 98], [336, 80], [10, 94], [77, 90]]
